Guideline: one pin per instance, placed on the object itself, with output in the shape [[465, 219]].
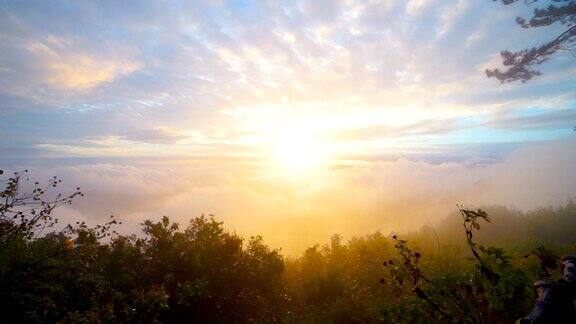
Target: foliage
[[338, 283], [520, 63], [92, 274], [202, 273], [547, 259]]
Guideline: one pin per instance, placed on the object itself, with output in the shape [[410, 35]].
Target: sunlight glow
[[296, 149], [298, 153]]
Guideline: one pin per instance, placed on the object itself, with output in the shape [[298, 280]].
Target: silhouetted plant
[[520, 64], [203, 273], [492, 291], [29, 212], [547, 260]]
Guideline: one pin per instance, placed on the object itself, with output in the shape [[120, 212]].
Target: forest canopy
[[202, 273]]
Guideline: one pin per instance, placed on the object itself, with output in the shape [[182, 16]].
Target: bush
[[202, 273]]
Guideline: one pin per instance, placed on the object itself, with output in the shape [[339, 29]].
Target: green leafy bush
[[201, 273]]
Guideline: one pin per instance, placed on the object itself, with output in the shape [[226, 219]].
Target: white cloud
[[416, 7], [450, 14], [96, 79], [364, 198]]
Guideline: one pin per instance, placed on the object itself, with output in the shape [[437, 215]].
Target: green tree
[[520, 64], [77, 274]]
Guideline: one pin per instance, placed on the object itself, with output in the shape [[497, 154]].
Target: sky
[[292, 119]]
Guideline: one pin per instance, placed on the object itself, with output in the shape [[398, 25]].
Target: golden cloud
[[78, 70]]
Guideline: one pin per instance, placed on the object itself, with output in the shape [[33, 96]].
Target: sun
[[298, 153], [288, 144], [297, 150]]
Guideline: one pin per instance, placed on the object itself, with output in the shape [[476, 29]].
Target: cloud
[[415, 7], [425, 127], [44, 65], [157, 135], [399, 195], [555, 119], [138, 65], [159, 103], [79, 72]]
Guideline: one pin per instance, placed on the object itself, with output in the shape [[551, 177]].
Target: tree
[[520, 64], [83, 274]]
